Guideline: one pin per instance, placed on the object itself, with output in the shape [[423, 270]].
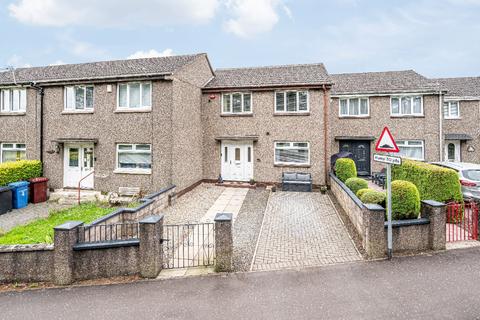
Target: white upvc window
[[354, 107], [134, 96], [78, 98], [406, 106], [13, 100], [236, 103], [134, 158], [12, 152], [412, 149], [451, 110], [291, 101], [292, 153]]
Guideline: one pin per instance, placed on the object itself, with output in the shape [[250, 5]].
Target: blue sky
[[438, 38]]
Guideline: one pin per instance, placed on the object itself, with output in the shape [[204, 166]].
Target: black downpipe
[[42, 94]]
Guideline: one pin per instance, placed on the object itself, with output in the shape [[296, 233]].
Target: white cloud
[[251, 17], [80, 48], [152, 53], [17, 61], [112, 13]]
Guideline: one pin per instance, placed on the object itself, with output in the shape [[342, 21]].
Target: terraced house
[[149, 123]]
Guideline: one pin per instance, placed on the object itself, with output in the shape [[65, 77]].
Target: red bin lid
[[36, 180]]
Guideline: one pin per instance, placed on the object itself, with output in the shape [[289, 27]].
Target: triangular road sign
[[386, 143]]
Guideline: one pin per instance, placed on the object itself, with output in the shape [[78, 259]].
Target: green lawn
[[41, 231]]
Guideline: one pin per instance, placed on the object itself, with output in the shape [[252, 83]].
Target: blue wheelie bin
[[19, 194]]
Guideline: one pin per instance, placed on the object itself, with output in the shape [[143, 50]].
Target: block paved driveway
[[302, 229]]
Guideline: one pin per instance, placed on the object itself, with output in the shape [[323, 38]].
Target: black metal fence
[[188, 245], [108, 232]]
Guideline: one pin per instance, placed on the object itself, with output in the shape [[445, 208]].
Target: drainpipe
[[440, 109], [41, 91], [325, 132]]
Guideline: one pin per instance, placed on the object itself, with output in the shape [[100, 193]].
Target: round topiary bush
[[405, 200], [345, 168], [373, 196], [356, 184], [362, 191]]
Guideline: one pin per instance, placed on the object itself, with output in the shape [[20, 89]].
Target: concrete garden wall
[[413, 235]]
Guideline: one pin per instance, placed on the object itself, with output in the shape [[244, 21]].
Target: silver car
[[469, 174]]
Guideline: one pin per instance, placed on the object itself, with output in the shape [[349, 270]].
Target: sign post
[[386, 143]]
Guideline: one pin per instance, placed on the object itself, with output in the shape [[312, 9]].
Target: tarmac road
[[440, 286]]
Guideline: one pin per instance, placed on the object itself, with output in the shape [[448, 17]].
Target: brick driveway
[[302, 229]]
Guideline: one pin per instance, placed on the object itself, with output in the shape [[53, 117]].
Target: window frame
[[285, 111], [282, 163], [15, 148], [449, 116], [74, 109], [132, 109], [359, 98], [412, 98], [222, 111], [22, 100], [400, 145], [132, 170]]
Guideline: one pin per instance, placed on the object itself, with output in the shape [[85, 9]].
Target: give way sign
[[386, 143]]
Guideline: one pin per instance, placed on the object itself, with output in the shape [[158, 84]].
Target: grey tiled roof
[[458, 136], [273, 76], [467, 87], [382, 82], [98, 70]]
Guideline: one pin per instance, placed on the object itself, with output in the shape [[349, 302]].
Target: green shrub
[[19, 170], [362, 191], [356, 184], [373, 196], [405, 200], [433, 182], [345, 168]]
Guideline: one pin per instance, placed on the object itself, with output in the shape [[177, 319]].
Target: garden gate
[[462, 221]]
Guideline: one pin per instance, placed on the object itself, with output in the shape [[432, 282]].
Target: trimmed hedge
[[356, 184], [405, 200], [19, 170], [433, 182], [373, 196], [345, 168], [362, 191]]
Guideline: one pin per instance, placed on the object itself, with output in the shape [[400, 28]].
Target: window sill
[[285, 165], [22, 113], [291, 114], [354, 117], [457, 118], [236, 115], [78, 112], [407, 116], [133, 110], [126, 171]]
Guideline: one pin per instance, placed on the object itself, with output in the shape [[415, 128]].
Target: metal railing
[[188, 245], [462, 221], [108, 232], [80, 183]]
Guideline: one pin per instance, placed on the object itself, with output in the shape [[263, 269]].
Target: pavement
[[302, 229], [229, 201], [441, 286]]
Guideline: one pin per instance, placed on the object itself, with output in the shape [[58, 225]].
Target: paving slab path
[[302, 229]]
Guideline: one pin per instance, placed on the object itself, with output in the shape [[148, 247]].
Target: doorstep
[[185, 272], [236, 184]]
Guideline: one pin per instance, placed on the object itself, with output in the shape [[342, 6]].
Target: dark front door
[[361, 154]]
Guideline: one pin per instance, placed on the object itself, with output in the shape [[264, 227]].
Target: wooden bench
[[296, 181]]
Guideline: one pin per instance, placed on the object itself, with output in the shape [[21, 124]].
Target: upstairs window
[[135, 95], [79, 98], [354, 107], [451, 110], [12, 152], [291, 101], [406, 106], [236, 103], [13, 100]]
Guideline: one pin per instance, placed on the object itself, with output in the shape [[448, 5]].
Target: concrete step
[[63, 196]]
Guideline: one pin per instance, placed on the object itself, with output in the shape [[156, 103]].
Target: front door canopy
[[386, 143]]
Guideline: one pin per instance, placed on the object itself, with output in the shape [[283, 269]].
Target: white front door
[[78, 164], [452, 150], [237, 160]]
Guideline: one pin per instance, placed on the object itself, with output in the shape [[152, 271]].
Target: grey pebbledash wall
[[414, 235]]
